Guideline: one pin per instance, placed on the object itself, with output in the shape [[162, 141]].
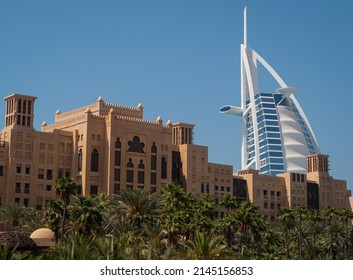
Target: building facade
[[108, 148], [277, 135], [315, 189], [105, 147]]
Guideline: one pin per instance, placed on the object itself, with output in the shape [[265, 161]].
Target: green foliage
[[138, 225]]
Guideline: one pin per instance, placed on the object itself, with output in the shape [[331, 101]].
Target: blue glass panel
[[263, 99], [272, 123], [276, 154], [259, 119], [271, 117], [277, 167], [273, 135], [274, 141], [266, 94], [269, 111], [276, 160], [272, 128], [263, 156], [263, 149], [267, 105], [262, 143], [264, 169], [275, 148]]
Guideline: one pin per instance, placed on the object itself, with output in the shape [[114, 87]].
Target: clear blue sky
[[181, 60]]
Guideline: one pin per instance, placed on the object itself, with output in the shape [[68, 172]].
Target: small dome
[[57, 112], [17, 239], [139, 106], [43, 237], [169, 122], [42, 233], [44, 123], [100, 99]]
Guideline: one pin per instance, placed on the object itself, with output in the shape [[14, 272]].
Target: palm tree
[[330, 213], [228, 224], [314, 218], [300, 215], [86, 214], [286, 218], [205, 246], [65, 187], [229, 202], [54, 210], [245, 214], [17, 215], [345, 215], [138, 206]]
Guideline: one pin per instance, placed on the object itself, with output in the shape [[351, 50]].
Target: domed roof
[[43, 237], [16, 239], [42, 233]]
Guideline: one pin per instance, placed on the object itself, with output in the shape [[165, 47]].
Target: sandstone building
[[107, 148]]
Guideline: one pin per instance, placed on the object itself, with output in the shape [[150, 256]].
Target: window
[[202, 188], [116, 174], [141, 173], [49, 174], [153, 178], [26, 190], [265, 205], [1, 170], [293, 177], [117, 158], [39, 203], [216, 188], [130, 171], [79, 160], [272, 193], [117, 143], [272, 206], [94, 160], [278, 194], [116, 188], [164, 168], [28, 170], [154, 148], [153, 162], [25, 202], [40, 173], [228, 189], [94, 190], [17, 200], [60, 173], [222, 189], [265, 192], [18, 188], [19, 169], [48, 188]]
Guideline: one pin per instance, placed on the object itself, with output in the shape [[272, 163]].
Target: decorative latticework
[[16, 239]]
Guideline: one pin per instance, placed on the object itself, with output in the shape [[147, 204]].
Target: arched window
[[79, 160], [141, 173], [117, 143], [130, 171], [154, 149], [94, 160], [164, 168]]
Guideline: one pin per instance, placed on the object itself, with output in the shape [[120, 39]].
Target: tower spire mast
[[245, 29]]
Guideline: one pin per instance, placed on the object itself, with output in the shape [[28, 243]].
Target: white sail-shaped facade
[[277, 135]]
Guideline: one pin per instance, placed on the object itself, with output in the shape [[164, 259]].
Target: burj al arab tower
[[277, 135]]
